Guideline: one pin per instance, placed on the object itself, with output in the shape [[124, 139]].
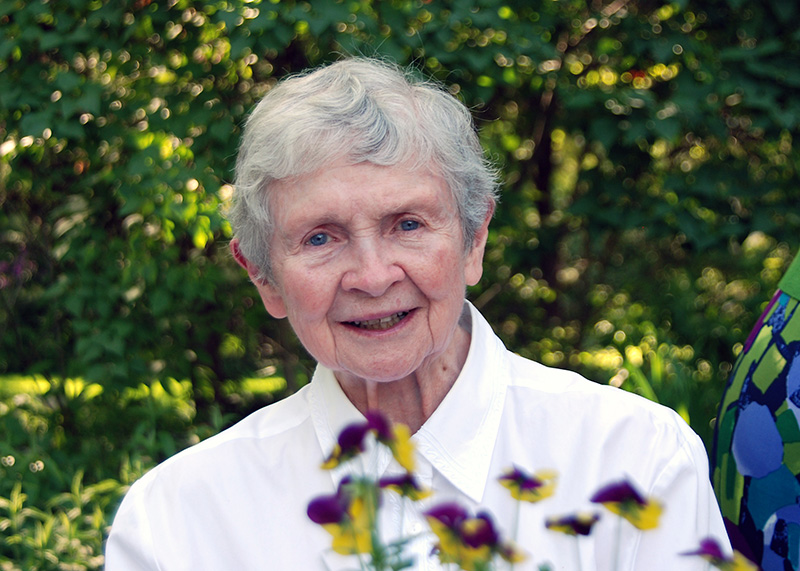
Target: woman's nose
[[373, 269]]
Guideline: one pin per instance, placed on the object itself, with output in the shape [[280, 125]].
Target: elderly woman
[[361, 214]]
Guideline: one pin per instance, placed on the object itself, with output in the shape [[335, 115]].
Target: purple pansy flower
[[624, 500]]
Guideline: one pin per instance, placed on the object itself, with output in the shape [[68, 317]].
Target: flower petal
[[711, 551], [326, 509], [511, 552], [379, 424], [351, 438], [742, 563], [349, 444], [624, 500], [646, 517], [405, 485], [348, 540], [449, 514], [479, 531], [578, 524], [402, 447], [618, 492], [529, 487]]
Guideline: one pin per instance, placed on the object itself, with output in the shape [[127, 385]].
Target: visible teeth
[[382, 323]]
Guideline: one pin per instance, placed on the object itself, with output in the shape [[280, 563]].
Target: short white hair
[[357, 110]]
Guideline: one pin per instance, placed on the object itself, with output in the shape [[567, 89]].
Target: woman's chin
[[377, 372]]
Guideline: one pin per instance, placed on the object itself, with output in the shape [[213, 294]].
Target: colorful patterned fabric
[[756, 454], [790, 282]]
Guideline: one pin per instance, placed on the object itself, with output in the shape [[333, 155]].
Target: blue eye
[[408, 225], [318, 239]]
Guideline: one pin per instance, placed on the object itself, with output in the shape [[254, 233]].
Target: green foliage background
[[649, 209]]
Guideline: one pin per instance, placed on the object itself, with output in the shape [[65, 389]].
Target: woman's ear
[[270, 294], [239, 257], [473, 269]]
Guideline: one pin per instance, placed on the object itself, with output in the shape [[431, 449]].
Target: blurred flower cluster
[[351, 514], [460, 539], [470, 542]]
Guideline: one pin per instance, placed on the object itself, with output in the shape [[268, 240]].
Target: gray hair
[[358, 110]]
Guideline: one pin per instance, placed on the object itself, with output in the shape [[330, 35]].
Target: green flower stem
[[402, 515], [618, 543], [515, 529], [578, 553], [515, 522], [371, 501], [378, 551]]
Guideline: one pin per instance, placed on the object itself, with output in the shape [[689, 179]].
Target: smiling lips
[[380, 324]]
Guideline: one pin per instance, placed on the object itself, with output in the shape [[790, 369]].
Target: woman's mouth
[[380, 324]]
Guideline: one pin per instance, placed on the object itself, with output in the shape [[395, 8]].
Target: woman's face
[[369, 267]]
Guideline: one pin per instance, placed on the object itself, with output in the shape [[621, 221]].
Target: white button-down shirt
[[238, 500]]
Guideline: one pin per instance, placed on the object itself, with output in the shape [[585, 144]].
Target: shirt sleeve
[[130, 544], [691, 512]]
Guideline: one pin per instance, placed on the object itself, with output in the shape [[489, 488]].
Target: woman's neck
[[412, 399]]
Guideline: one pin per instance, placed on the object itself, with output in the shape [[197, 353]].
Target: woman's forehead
[[350, 189]]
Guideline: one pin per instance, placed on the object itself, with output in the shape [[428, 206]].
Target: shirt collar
[[331, 411], [458, 438]]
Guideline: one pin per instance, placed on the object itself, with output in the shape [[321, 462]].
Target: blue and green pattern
[[757, 441]]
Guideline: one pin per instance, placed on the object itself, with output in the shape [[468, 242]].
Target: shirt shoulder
[[603, 411], [575, 412], [262, 433], [599, 433], [236, 481]]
